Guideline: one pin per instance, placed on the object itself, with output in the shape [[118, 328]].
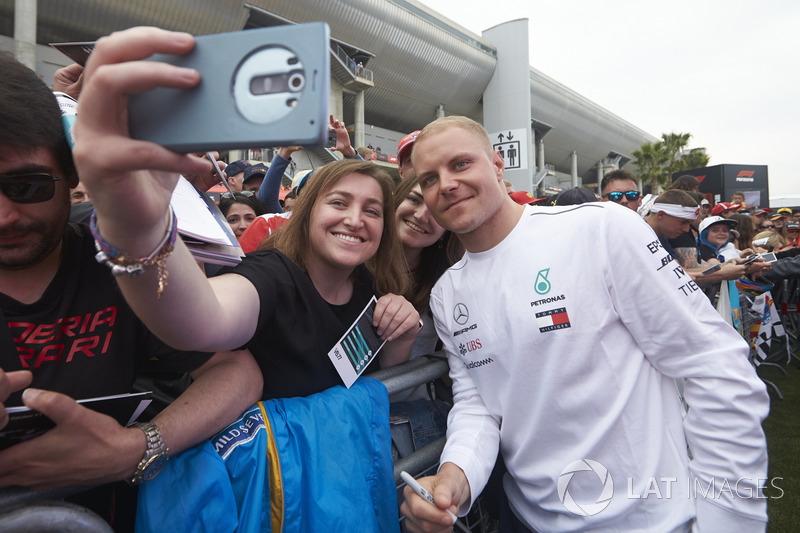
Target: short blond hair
[[445, 123]]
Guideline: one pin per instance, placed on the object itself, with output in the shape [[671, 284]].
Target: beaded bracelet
[[119, 263]]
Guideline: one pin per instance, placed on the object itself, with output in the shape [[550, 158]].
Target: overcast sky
[[726, 71]]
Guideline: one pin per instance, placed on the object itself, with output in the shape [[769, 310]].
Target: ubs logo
[[470, 346], [460, 314]]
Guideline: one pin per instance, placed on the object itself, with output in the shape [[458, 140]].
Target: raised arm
[[131, 182], [343, 140], [268, 193]]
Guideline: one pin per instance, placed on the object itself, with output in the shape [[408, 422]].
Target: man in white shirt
[[564, 328]]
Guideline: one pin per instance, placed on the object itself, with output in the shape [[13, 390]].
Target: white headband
[[680, 211]]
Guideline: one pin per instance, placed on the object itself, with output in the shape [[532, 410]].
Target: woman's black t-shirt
[[296, 326]]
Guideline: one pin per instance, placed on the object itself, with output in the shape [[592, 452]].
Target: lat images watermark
[[585, 508], [595, 479]]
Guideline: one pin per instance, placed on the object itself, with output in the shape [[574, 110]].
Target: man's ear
[[499, 165]]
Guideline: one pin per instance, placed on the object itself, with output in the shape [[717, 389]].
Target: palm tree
[[695, 158], [674, 144], [650, 159]]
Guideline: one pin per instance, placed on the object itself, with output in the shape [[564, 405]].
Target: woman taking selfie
[[292, 303]]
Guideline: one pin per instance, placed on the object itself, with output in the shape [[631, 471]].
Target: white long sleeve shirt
[[563, 342]]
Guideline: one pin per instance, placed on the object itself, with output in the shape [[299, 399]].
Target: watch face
[[154, 466]]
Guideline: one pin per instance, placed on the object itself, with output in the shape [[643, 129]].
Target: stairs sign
[[512, 146]]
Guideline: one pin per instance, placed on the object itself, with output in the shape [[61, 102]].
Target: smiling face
[[415, 224], [718, 234], [346, 224], [460, 182], [239, 217], [30, 233]]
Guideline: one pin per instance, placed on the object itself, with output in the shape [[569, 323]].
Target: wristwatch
[[155, 456]]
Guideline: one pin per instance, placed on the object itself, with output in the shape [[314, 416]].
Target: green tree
[[694, 158], [650, 159], [674, 145], [658, 161]]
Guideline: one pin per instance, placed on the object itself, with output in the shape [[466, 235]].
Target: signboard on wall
[[512, 147]]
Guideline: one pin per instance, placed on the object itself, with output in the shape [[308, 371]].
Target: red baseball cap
[[723, 206], [406, 143], [524, 197]]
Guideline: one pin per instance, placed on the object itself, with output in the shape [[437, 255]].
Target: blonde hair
[[445, 123], [293, 238], [774, 240], [676, 197]]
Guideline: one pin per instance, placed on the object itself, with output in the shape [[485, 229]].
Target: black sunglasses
[[238, 193], [632, 196], [768, 227], [28, 188]]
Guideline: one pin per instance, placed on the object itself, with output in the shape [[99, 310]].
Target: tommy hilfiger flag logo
[[553, 319]]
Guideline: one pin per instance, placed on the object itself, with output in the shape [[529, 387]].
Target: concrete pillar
[[540, 155], [358, 126], [336, 100], [507, 102], [440, 111], [573, 170], [599, 175], [25, 32]]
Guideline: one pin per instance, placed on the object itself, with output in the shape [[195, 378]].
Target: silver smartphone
[[259, 88], [331, 142]]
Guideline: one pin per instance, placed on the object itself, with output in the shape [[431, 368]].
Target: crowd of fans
[[559, 308]]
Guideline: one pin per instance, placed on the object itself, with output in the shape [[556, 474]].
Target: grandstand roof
[[420, 60]]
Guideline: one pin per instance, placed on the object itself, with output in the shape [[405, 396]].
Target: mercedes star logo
[[461, 314]]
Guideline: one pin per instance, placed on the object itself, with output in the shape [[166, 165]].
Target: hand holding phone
[[711, 269], [331, 139], [768, 258]]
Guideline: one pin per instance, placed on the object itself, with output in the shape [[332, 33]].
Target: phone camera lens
[[296, 81]]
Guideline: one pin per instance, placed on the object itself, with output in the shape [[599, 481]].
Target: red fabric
[[261, 228]]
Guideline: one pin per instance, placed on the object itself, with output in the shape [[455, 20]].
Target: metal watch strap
[[155, 447]]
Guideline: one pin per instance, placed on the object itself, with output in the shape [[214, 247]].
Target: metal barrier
[[412, 373], [425, 461], [408, 376]]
